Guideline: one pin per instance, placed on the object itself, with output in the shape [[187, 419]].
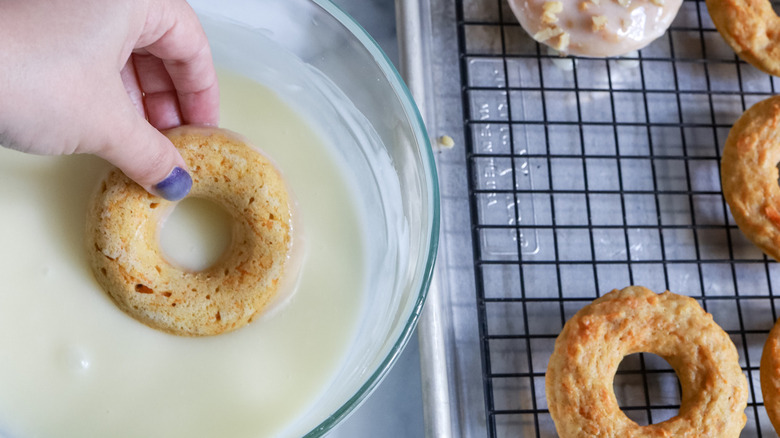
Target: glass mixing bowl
[[329, 69]]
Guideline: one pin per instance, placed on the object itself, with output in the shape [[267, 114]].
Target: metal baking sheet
[[571, 177]]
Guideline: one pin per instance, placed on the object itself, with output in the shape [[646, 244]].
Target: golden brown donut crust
[[751, 28], [749, 174], [770, 376], [580, 375], [123, 245]]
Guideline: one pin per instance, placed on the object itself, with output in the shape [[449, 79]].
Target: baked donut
[[579, 379], [595, 27], [123, 221], [770, 376], [751, 28], [749, 174]]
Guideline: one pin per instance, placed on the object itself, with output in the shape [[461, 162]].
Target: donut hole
[[647, 388], [196, 234]]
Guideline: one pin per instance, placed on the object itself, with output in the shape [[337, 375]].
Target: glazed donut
[[770, 376], [595, 28], [579, 379], [751, 28], [749, 174], [123, 221]]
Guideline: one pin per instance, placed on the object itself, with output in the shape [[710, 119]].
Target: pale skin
[[104, 77]]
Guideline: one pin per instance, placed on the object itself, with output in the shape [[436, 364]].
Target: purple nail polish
[[175, 186]]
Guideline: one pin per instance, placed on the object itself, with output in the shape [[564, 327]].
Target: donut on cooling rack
[[123, 221], [770, 376], [749, 174], [751, 28], [595, 27], [579, 379]]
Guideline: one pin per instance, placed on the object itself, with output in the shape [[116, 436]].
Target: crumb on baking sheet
[[446, 142]]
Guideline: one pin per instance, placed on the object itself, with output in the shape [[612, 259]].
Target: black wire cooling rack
[[588, 175]]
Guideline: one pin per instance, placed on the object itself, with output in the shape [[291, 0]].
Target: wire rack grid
[[588, 175]]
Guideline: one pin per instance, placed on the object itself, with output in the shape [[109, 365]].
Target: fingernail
[[175, 186]]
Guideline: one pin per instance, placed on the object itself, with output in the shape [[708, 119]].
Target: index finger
[[178, 39]]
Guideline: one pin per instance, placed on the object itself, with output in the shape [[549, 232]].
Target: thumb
[[145, 155]]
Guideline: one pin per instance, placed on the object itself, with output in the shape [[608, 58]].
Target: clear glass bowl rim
[[429, 167]]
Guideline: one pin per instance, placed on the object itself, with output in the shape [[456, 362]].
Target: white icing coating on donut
[[595, 28]]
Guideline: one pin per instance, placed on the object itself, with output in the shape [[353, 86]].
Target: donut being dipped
[[595, 28], [749, 174], [123, 222], [589, 349]]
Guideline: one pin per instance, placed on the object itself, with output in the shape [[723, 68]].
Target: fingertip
[[150, 159]]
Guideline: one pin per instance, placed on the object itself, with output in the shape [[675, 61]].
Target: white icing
[[72, 365], [195, 234], [629, 26]]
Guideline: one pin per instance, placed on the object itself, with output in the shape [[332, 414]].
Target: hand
[[84, 76]]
